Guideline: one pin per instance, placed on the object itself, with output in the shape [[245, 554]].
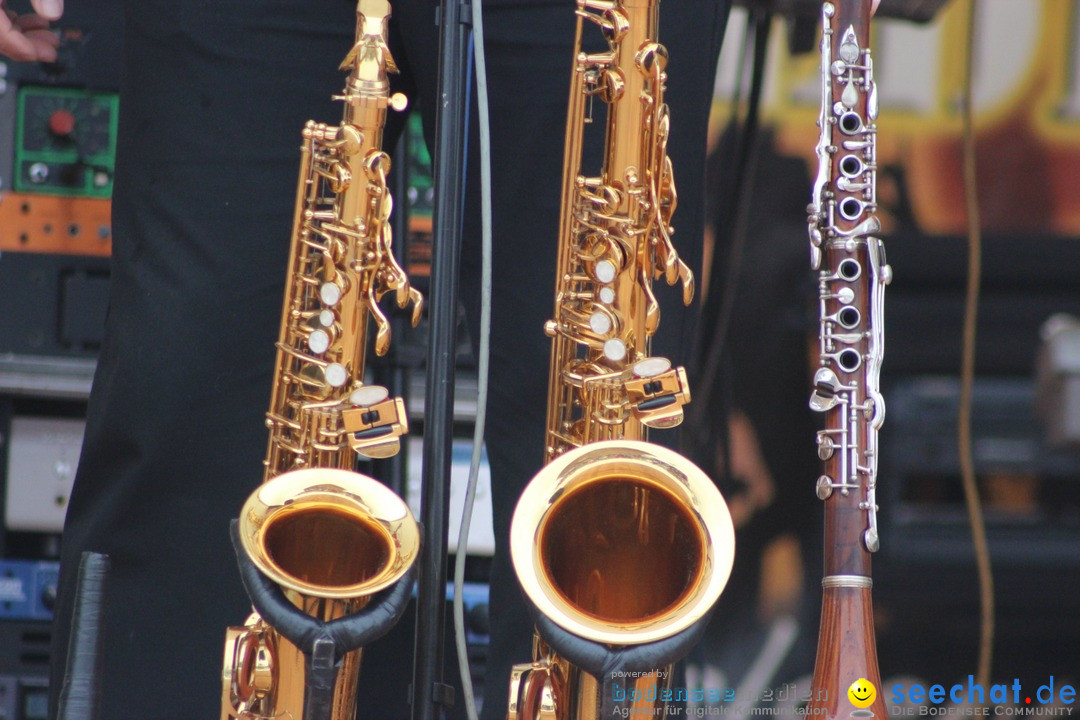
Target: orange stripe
[[53, 224]]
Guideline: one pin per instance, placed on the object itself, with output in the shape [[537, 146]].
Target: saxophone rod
[[431, 696], [393, 374]]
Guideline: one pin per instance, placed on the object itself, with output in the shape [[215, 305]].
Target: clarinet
[[852, 274]]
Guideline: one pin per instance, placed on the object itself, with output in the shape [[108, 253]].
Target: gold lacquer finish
[[289, 524], [616, 541], [330, 537], [651, 542]]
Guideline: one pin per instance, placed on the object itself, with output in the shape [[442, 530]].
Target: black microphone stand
[[430, 695]]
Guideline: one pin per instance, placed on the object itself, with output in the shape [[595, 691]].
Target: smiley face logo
[[862, 693]]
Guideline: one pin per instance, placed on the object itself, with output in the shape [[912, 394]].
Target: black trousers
[[212, 103]]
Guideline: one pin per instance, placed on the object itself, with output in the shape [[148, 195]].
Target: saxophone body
[[329, 537], [852, 274], [621, 546]]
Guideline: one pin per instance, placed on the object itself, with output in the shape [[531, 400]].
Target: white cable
[[482, 360]]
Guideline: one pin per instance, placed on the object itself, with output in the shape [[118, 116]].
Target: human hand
[[749, 467], [27, 37]]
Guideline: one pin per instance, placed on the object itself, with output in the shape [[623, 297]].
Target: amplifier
[[481, 535], [54, 307], [42, 454], [57, 157], [926, 602], [25, 647], [1030, 492], [58, 139], [27, 589], [23, 697]]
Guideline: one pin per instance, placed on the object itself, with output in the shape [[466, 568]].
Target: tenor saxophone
[[852, 274], [621, 546], [326, 552]]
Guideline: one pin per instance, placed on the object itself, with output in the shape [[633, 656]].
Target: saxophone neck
[[370, 62]]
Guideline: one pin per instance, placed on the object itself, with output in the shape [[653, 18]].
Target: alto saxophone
[[317, 542], [852, 275], [621, 546]]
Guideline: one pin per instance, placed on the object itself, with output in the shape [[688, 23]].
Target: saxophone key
[[590, 325], [331, 292], [248, 671], [337, 174], [609, 83], [605, 271], [368, 395], [601, 322], [657, 393], [375, 423], [320, 215], [320, 132], [651, 367], [606, 14], [615, 350], [335, 374], [602, 255], [599, 197], [316, 376], [319, 341], [346, 140]]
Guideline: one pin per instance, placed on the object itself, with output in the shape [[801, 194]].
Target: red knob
[[62, 123]]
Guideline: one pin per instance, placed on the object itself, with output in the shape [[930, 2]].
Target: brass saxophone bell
[[653, 557], [329, 533]]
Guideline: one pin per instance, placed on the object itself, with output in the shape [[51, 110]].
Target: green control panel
[[65, 141]]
